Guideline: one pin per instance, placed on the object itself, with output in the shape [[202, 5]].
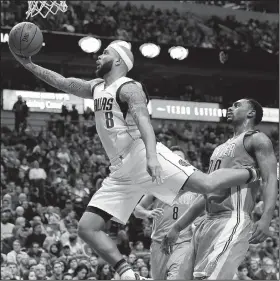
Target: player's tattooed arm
[[263, 151], [135, 98], [73, 86]]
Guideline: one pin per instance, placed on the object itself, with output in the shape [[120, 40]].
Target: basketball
[[25, 39]]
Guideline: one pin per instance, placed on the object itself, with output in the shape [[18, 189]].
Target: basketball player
[[166, 266], [220, 242], [137, 161]]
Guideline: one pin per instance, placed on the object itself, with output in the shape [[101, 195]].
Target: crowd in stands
[[134, 23], [256, 6], [47, 179]]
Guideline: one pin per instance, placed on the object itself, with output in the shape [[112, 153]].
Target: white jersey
[[114, 123], [171, 213]]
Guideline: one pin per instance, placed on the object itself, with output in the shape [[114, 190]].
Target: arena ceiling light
[[149, 50], [178, 52], [90, 44]]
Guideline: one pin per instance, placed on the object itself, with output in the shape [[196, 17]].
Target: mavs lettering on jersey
[[105, 104]]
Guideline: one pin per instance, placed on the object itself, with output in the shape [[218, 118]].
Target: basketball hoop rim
[[43, 8]]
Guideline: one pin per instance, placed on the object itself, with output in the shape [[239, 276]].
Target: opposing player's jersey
[[232, 154], [114, 124], [171, 213]]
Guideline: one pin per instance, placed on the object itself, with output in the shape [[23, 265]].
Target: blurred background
[[194, 57]]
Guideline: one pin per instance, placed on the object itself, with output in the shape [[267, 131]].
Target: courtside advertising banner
[[42, 101], [184, 110], [199, 111]]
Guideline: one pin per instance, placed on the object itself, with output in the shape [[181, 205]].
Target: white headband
[[123, 55]]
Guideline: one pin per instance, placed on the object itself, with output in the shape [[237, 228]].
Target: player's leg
[[179, 175], [222, 247], [116, 200], [221, 179], [90, 229], [158, 262], [186, 268], [176, 259]]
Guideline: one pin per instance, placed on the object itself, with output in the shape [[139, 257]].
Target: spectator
[[14, 272], [74, 115], [12, 256], [19, 212], [270, 250], [6, 227], [253, 253], [73, 264], [144, 272], [19, 113], [93, 263], [64, 154], [253, 269], [35, 251], [41, 272], [25, 114], [104, 272], [131, 258], [57, 271], [54, 250], [81, 272], [242, 273], [267, 271], [22, 260], [36, 236], [37, 173], [31, 275]]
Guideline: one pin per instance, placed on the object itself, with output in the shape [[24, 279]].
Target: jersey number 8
[[109, 119], [175, 213]]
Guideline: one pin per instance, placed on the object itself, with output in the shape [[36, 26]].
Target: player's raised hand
[[21, 59], [169, 241], [260, 232], [156, 213], [154, 169]]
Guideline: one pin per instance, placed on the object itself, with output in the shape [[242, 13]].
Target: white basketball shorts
[[129, 181]]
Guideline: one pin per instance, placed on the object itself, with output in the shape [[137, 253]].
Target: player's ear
[[118, 61], [251, 114]]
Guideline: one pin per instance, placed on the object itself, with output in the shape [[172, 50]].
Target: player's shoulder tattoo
[[131, 92], [135, 98]]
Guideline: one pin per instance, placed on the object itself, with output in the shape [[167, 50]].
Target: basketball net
[[43, 8]]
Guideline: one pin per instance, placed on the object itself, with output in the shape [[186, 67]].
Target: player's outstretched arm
[[135, 97], [184, 221], [263, 151], [141, 210], [75, 86]]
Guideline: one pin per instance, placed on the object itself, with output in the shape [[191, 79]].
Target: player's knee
[[84, 229], [92, 221], [88, 225]]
